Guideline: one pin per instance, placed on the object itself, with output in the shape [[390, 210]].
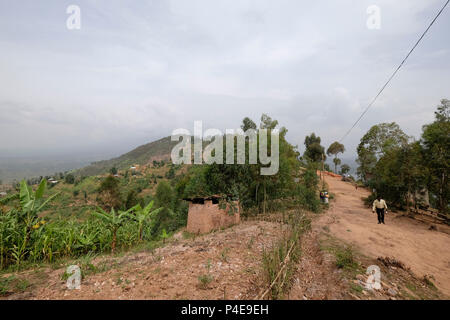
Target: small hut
[[206, 214]]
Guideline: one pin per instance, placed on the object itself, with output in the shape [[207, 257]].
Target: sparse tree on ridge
[[334, 149]]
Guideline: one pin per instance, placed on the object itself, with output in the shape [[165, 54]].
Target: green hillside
[[157, 150]]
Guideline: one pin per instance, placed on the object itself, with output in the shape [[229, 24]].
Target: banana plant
[[141, 215], [30, 203], [113, 221], [87, 240]]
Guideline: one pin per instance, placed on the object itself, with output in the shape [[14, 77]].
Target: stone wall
[[204, 218]]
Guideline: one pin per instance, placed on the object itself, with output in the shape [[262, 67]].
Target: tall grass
[[279, 262]]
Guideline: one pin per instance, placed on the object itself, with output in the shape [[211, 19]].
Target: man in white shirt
[[380, 206]]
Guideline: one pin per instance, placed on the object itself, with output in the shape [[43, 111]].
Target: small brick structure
[[205, 215]]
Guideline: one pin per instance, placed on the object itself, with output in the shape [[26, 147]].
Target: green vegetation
[[83, 216], [345, 259], [26, 237], [12, 284], [399, 169], [140, 155], [256, 192], [345, 168], [205, 279], [334, 149], [314, 151], [279, 262]]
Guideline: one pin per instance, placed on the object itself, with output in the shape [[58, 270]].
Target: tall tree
[[336, 162], [375, 143], [314, 151], [436, 144], [334, 149]]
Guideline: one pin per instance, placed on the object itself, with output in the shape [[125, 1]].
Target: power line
[[395, 72]]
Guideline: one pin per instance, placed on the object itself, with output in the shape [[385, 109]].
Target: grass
[[356, 288], [13, 284], [189, 235], [429, 283], [427, 292], [278, 273], [88, 267], [345, 259], [204, 280]]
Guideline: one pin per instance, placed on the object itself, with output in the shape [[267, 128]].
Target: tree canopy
[[400, 169], [314, 151]]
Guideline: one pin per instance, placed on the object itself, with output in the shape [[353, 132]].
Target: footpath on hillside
[[407, 243]]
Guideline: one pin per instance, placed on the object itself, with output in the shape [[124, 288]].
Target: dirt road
[[426, 252]]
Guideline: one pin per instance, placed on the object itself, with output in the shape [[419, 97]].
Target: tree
[[436, 144], [334, 149], [245, 182], [113, 171], [171, 173], [132, 199], [375, 143], [267, 122], [247, 123], [110, 193], [336, 162], [400, 174], [345, 168], [70, 178], [314, 151], [164, 198]]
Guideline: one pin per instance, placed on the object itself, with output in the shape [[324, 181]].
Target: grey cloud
[[136, 71]]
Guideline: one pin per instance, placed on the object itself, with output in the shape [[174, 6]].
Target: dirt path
[[425, 251]]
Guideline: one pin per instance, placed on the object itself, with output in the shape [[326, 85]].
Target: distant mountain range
[[18, 168]]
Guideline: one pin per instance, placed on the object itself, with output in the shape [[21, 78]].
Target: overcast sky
[[137, 70]]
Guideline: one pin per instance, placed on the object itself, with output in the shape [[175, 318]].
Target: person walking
[[380, 206]]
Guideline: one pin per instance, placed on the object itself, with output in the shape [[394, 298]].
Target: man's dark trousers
[[380, 214]]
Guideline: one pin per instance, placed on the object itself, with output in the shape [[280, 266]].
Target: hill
[[156, 150]]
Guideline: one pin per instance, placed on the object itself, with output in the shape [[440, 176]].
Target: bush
[[345, 259], [70, 178]]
